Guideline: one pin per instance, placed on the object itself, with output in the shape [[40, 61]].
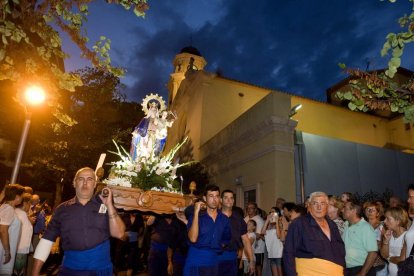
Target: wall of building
[[401, 135], [335, 166], [255, 152], [341, 123], [223, 102]]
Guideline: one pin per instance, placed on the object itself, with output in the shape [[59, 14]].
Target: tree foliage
[[380, 90], [57, 150], [31, 52]]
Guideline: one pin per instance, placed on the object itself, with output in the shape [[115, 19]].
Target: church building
[[256, 142]]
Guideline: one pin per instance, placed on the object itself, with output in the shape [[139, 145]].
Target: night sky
[[293, 45]]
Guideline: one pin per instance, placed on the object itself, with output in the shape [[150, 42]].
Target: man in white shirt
[[252, 214]]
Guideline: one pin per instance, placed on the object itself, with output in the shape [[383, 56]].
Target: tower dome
[[191, 50]]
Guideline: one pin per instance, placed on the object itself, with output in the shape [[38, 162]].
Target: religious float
[[144, 178]]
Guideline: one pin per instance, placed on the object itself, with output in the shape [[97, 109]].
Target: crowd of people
[[87, 235]]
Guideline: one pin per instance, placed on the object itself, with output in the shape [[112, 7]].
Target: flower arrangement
[[146, 171]]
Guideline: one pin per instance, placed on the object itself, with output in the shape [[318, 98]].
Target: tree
[[380, 90], [31, 51], [57, 150]]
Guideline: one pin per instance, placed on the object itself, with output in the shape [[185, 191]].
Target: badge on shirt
[[102, 209]]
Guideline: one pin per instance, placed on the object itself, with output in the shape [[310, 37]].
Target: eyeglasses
[[251, 208], [370, 210]]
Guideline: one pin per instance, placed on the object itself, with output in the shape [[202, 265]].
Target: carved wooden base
[[147, 201]]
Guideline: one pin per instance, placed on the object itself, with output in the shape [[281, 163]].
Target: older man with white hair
[[313, 243]]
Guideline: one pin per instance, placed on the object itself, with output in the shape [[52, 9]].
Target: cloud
[[294, 46]]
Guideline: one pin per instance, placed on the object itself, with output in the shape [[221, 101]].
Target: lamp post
[[298, 140], [34, 95]]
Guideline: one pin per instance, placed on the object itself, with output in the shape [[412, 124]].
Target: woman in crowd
[[9, 227], [334, 212], [373, 213], [272, 233], [393, 246]]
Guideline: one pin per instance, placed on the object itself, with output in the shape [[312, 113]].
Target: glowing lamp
[[34, 95]]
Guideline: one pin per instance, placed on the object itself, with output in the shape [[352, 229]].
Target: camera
[[105, 192]]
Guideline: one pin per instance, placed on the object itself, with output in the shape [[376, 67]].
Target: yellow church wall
[[401, 136], [257, 146], [340, 123], [262, 167], [222, 104]]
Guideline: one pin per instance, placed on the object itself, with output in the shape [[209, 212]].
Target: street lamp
[[294, 110], [33, 96]]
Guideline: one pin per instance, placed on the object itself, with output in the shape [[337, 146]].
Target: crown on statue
[[153, 100]]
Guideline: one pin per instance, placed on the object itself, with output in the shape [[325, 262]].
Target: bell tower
[[189, 58]]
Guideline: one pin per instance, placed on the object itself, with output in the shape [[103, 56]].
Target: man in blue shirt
[[228, 264], [313, 242], [84, 225], [208, 233]]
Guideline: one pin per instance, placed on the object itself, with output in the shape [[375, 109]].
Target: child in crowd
[[251, 233]]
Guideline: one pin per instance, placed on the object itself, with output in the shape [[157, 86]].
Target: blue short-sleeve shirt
[[80, 227], [215, 235]]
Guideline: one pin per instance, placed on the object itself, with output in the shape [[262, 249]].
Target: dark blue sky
[[293, 45]]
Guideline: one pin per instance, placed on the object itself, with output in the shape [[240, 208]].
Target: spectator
[[409, 236], [395, 201], [360, 242], [393, 246], [313, 242], [279, 203], [334, 213], [25, 240], [274, 246], [251, 234], [84, 225], [373, 213], [346, 197], [9, 227], [286, 217], [287, 209], [252, 213], [28, 189], [297, 211], [38, 218]]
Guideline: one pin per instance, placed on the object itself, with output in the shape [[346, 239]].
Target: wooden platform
[[147, 201]]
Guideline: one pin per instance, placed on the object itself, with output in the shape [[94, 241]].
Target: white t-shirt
[[8, 217], [395, 247], [23, 247], [273, 244], [260, 245], [409, 239], [250, 235]]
